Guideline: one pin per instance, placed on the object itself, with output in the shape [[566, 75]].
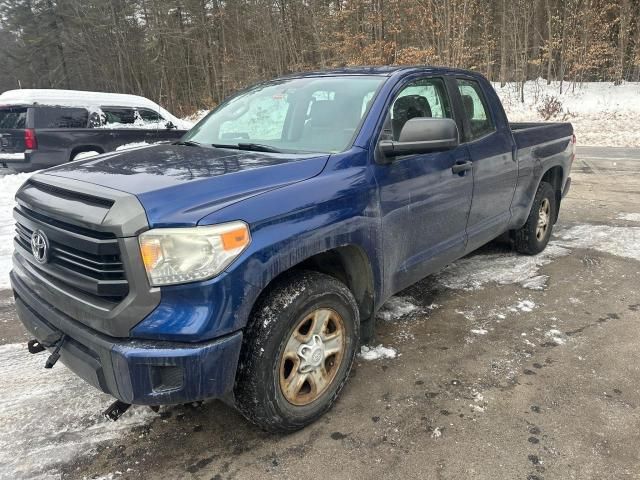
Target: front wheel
[[534, 235], [298, 351]]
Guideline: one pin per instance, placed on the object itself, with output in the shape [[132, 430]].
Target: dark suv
[[43, 133]]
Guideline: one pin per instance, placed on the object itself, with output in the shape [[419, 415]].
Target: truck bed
[[530, 134]]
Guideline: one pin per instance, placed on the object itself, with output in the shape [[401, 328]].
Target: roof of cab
[[382, 70]]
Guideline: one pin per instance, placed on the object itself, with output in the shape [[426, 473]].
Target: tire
[[529, 239], [266, 389]]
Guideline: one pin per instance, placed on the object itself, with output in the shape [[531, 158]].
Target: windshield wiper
[[258, 147], [188, 143], [254, 147]]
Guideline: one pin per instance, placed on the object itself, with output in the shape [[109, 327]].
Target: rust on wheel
[[544, 217], [312, 356]]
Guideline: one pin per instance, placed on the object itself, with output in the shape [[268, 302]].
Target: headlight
[[181, 255]]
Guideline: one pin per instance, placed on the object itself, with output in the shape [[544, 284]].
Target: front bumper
[[133, 371]]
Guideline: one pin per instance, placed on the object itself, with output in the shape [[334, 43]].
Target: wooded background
[[190, 54]]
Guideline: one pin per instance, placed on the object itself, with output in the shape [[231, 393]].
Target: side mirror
[[422, 135], [169, 125]]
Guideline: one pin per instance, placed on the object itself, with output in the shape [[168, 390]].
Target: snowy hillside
[[602, 114]]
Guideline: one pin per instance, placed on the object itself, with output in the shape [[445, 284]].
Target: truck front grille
[[79, 258]]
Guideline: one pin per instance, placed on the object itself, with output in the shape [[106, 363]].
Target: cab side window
[[115, 115], [149, 116], [476, 109], [426, 98]]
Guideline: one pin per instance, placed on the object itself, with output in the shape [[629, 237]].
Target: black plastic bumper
[[136, 372]]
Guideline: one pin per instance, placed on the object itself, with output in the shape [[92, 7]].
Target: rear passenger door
[[489, 142]]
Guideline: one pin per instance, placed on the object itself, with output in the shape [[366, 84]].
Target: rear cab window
[[60, 117], [13, 118], [476, 109]]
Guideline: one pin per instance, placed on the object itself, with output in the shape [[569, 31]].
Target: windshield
[[318, 114]]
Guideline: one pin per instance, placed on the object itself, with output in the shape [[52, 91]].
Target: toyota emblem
[[40, 246]]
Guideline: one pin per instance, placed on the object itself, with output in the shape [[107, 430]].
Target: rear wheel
[[534, 235], [298, 351]]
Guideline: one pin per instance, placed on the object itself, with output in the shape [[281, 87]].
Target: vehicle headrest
[[411, 106], [467, 101]]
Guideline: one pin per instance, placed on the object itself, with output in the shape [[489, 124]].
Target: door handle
[[462, 167]]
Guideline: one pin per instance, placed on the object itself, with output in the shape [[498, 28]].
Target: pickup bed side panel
[[540, 148], [288, 225], [59, 145]]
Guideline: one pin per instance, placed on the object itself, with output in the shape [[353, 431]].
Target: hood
[[178, 185]]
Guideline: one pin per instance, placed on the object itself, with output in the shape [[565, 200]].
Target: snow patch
[[475, 271], [396, 308], [377, 353], [472, 273], [479, 331], [619, 241], [601, 113], [129, 146], [50, 416], [631, 217], [523, 306], [196, 117], [82, 155], [556, 336]]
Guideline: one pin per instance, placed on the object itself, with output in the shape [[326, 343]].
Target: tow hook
[[55, 355], [116, 410], [35, 346]]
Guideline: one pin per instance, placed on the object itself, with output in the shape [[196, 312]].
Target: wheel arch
[[349, 264], [84, 148], [554, 176]]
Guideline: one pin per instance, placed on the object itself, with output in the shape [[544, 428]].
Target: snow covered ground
[[479, 271], [50, 416], [9, 184], [602, 114]]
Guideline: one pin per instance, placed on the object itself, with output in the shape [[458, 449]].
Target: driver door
[[424, 204]]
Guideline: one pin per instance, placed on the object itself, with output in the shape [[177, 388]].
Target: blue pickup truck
[[247, 261]]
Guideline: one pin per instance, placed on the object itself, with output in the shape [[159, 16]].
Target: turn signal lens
[[151, 252], [235, 238]]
